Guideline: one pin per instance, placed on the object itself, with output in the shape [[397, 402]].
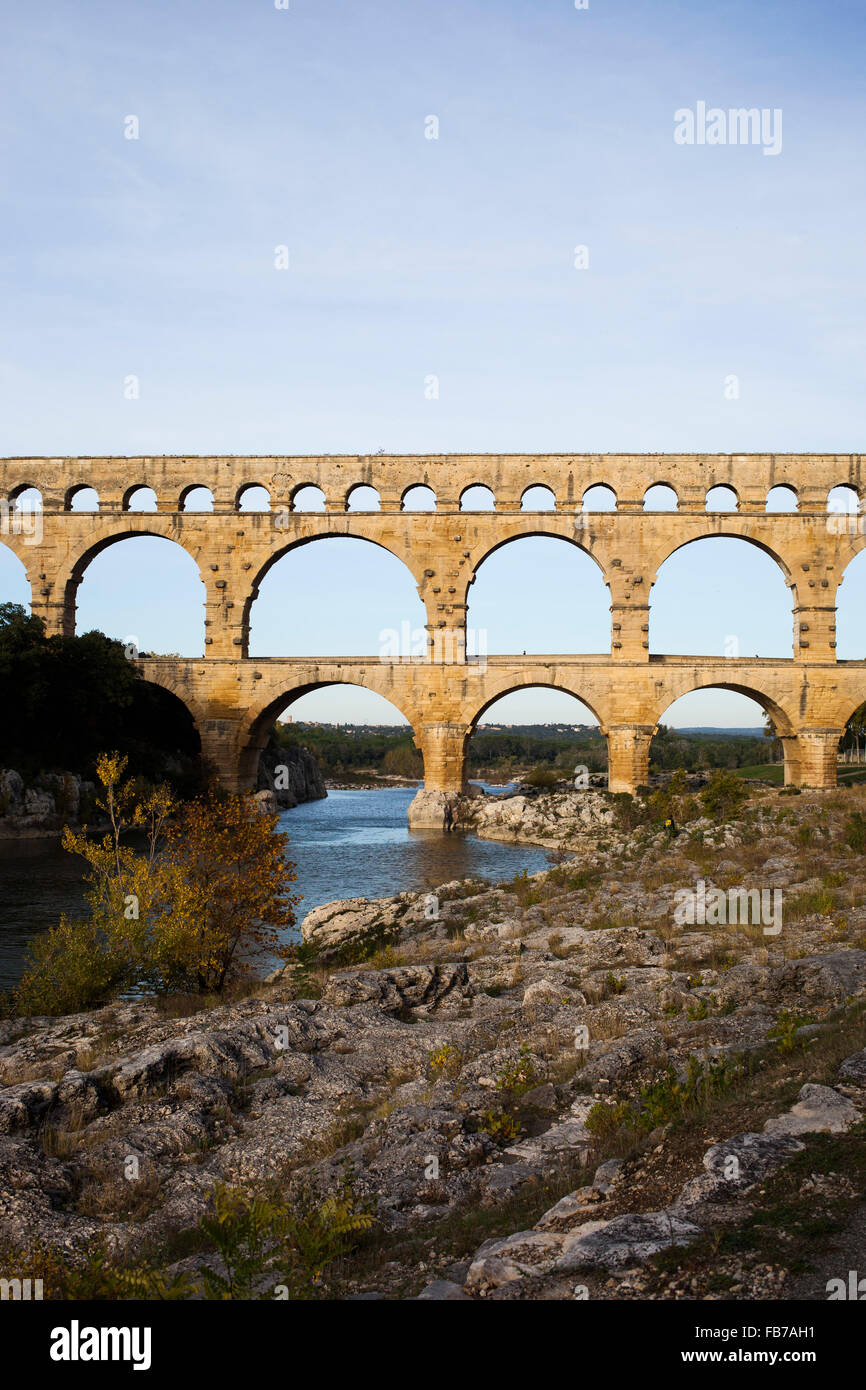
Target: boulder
[[819, 1110], [626, 1240]]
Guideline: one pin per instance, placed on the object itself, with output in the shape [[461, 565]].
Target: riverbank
[[521, 1036]]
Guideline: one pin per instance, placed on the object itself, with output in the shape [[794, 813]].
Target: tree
[[66, 698], [207, 897], [83, 962], [226, 894]]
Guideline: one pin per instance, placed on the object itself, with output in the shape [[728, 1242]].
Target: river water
[[353, 844]]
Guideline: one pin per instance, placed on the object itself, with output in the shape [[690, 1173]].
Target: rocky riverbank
[[39, 809], [538, 1085], [555, 819]]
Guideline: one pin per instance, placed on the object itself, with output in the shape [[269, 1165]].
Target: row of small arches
[[253, 497]]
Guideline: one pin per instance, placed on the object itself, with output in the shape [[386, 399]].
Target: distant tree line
[[342, 751]]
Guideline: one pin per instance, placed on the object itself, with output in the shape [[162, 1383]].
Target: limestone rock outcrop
[[292, 775]]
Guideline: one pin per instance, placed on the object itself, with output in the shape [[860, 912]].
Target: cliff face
[[292, 775], [44, 806]]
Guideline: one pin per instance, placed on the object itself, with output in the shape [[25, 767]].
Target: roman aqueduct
[[234, 698]]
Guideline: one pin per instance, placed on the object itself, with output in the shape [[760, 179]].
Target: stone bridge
[[234, 698]]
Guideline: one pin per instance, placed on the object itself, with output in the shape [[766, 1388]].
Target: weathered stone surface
[[403, 987], [737, 1164], [837, 975], [819, 1110], [292, 775], [443, 1291], [355, 923], [626, 1239], [854, 1068], [499, 1262]]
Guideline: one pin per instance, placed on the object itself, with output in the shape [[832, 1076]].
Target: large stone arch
[[70, 584], [508, 685], [729, 534], [728, 531], [175, 678], [19, 569], [786, 721], [352, 532], [253, 735], [561, 530], [452, 740], [527, 526]]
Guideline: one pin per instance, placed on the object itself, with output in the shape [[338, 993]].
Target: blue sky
[[409, 256]]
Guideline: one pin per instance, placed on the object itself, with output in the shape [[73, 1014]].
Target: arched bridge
[[234, 697]]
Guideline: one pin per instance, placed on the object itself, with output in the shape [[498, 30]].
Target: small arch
[[26, 498], [599, 498], [538, 498], [362, 498], [195, 498], [81, 498], [418, 498], [843, 499], [661, 497], [139, 498], [477, 498], [307, 497], [252, 497], [782, 498], [722, 498]]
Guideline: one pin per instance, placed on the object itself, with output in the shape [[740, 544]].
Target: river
[[353, 844]]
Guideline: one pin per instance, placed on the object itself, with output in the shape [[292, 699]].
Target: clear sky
[[409, 257]]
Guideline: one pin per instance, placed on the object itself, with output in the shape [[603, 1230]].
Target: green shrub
[[724, 795], [784, 1031], [541, 776], [501, 1125], [265, 1244], [516, 1078], [855, 831]]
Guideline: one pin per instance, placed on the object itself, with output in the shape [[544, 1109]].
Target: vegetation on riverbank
[[65, 699], [192, 912]]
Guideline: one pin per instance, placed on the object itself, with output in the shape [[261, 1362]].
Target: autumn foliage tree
[[226, 897], [196, 909]]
